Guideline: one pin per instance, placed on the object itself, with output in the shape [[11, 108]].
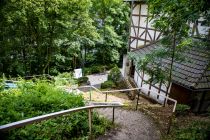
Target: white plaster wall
[[135, 20], [145, 88], [140, 33], [132, 32], [143, 21], [124, 70], [203, 30], [136, 9], [133, 44], [144, 10], [140, 43]]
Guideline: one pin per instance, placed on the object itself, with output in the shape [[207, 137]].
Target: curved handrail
[[131, 89], [56, 114]]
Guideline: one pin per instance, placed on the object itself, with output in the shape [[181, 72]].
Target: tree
[[33, 34], [111, 20]]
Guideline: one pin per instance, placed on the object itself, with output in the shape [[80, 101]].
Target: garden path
[[97, 79], [134, 125]]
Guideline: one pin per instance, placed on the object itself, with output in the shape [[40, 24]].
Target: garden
[[38, 97]]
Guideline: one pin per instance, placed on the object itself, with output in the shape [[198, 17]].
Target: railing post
[[90, 123], [113, 115], [90, 94], [106, 97], [137, 103]]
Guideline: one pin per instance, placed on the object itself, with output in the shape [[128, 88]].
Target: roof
[[193, 72]]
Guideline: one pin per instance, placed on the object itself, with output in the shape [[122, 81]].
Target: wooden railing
[[61, 113], [131, 89]]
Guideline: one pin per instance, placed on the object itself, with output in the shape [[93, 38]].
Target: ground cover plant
[[191, 127], [31, 99], [114, 78], [65, 78]]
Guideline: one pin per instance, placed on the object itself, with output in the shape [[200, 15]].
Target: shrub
[[87, 71], [65, 75], [64, 79], [82, 80], [114, 75], [110, 66], [94, 69], [182, 109], [1, 84], [108, 84], [38, 98], [197, 130], [97, 69]]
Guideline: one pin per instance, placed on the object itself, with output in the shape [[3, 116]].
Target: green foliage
[[52, 36], [44, 35], [111, 18], [38, 98], [197, 130], [82, 80], [115, 75], [182, 109], [95, 69], [1, 84], [65, 79], [108, 84]]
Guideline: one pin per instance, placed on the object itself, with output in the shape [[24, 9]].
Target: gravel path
[[134, 125], [97, 79]]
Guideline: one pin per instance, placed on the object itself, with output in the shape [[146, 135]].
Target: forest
[[55, 36]]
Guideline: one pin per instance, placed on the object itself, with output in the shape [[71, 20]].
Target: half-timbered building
[[191, 79]]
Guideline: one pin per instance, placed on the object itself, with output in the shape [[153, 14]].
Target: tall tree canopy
[[48, 36]]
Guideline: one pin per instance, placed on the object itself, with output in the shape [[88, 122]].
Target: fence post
[[106, 97], [170, 123], [113, 116], [90, 123], [137, 103], [90, 94]]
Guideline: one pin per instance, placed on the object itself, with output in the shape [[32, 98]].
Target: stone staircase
[[131, 84]]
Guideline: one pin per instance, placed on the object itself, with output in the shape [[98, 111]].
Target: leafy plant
[[182, 109], [32, 99], [82, 80], [115, 75], [65, 79], [197, 130], [108, 84]]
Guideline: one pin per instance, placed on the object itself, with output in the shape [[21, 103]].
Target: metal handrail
[[60, 113], [168, 98], [141, 88]]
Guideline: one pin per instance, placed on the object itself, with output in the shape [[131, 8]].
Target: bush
[[114, 75], [38, 98], [65, 75], [182, 109], [108, 84], [1, 84], [82, 80], [110, 66], [97, 69], [197, 130], [87, 71], [64, 79], [94, 69]]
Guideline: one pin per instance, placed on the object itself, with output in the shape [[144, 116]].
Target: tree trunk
[[171, 66]]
